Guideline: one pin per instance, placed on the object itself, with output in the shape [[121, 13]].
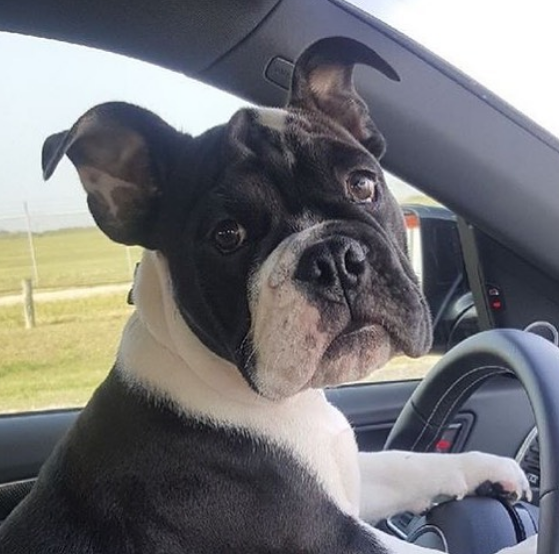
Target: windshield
[[509, 47]]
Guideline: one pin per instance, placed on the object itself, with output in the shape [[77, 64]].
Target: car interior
[[489, 259]]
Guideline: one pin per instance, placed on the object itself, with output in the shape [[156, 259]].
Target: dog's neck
[[157, 315], [160, 354]]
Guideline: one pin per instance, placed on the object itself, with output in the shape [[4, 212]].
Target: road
[[51, 296]]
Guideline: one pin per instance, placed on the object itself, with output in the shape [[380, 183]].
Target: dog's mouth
[[359, 332], [317, 357], [354, 353], [353, 335]]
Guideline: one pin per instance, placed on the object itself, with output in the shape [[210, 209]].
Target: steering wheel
[[535, 362]]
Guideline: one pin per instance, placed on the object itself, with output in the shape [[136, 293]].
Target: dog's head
[[286, 250]]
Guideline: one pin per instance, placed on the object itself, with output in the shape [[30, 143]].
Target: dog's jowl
[[275, 264]]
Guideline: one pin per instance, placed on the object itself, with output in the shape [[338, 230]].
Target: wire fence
[[58, 251]]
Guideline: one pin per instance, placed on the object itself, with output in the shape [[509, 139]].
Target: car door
[[63, 295]]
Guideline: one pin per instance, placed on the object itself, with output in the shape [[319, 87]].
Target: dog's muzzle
[[331, 304]]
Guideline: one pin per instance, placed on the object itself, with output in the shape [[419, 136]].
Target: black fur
[[138, 475], [133, 476]]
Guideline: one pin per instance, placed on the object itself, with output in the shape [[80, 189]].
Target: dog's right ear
[[119, 150], [323, 81]]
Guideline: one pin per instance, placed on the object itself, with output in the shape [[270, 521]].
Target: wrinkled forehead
[[289, 122], [292, 158], [291, 143], [277, 119]]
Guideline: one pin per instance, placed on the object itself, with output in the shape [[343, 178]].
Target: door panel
[[496, 419]]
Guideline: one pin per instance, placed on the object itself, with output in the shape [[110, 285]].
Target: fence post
[[28, 306], [31, 244]]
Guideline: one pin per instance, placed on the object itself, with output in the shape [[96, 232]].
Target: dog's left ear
[[120, 152], [323, 80]]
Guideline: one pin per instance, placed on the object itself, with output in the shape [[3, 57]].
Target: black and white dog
[[275, 264]]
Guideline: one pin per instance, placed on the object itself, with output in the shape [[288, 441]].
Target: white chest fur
[[159, 352]]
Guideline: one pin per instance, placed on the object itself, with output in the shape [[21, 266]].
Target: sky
[[46, 85], [509, 46]]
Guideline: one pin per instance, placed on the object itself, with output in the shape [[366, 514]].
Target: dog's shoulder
[[135, 462]]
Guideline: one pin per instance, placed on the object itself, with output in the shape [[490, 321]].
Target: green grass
[[60, 361], [66, 258]]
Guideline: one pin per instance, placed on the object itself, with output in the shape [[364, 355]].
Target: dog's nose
[[332, 266]]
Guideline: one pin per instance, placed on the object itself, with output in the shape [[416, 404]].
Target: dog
[[275, 264]]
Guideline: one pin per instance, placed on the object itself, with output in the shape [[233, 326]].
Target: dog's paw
[[489, 475]]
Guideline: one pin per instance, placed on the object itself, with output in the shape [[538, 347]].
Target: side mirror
[[436, 255]]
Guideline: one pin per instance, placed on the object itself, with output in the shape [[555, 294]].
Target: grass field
[[60, 361], [67, 258]]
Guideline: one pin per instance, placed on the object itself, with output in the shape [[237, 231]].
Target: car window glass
[[412, 200], [482, 39], [48, 242], [63, 284]]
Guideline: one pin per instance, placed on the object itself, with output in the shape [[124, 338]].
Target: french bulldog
[[275, 264]]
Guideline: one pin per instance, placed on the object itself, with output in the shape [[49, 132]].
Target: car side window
[[435, 252], [64, 285]]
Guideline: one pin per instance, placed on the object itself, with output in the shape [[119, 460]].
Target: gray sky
[[46, 85], [510, 46]]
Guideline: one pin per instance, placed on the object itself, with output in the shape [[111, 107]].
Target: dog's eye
[[228, 236], [362, 186]]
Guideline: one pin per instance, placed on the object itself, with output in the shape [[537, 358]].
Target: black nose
[[333, 266]]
